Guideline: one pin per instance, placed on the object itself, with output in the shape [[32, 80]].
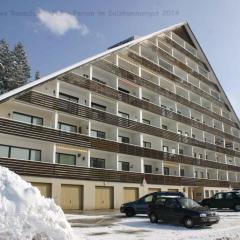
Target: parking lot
[[116, 226]]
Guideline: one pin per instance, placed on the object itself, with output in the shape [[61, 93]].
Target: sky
[[59, 33]]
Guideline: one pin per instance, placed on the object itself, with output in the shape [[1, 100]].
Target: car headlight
[[203, 215]]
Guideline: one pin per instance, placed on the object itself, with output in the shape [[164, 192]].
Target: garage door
[[130, 194], [173, 190], [103, 197], [44, 188], [151, 190], [71, 197]]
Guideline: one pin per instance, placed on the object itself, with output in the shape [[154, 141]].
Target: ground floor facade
[[73, 194]]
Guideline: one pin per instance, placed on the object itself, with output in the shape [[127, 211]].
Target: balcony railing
[[102, 116], [40, 169]]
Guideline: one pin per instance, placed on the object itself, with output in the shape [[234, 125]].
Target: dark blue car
[[141, 206]]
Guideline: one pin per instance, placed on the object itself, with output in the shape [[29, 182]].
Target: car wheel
[[153, 218], [130, 212], [188, 222], [237, 208]]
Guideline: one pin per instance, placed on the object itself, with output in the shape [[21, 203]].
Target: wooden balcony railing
[[171, 42], [58, 104], [114, 94], [107, 66], [56, 136], [41, 169]]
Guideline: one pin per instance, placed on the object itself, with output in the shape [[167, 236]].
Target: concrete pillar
[[55, 121], [54, 149], [142, 164], [90, 72], [88, 158], [89, 128], [57, 89]]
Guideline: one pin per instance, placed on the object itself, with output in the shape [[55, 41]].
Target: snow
[[26, 215], [122, 228]]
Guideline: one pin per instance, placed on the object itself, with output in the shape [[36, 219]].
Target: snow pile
[[26, 215]]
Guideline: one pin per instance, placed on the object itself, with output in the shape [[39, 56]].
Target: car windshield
[[188, 203]]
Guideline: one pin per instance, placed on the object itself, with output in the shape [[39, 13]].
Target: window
[[146, 121], [98, 106], [146, 99], [123, 139], [182, 173], [20, 153], [68, 159], [165, 148], [219, 196], [4, 151], [200, 155], [148, 199], [180, 151], [164, 127], [193, 136], [98, 80], [27, 118], [147, 144], [123, 114], [166, 171], [202, 175], [125, 166], [97, 162], [206, 193], [229, 196], [98, 134], [67, 127], [123, 90], [160, 201], [171, 203], [68, 97], [148, 168]]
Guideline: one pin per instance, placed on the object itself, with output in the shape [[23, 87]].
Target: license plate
[[212, 219]]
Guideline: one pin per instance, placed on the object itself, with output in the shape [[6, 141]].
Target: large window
[[123, 139], [98, 134], [148, 168], [98, 106], [97, 162], [68, 159], [68, 97], [166, 171], [67, 127], [125, 166], [147, 144], [20, 153], [27, 118], [123, 114]]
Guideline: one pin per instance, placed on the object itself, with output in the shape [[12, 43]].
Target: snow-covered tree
[[37, 75], [22, 72], [7, 67], [14, 68]]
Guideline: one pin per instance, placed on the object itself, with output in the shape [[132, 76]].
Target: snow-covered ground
[[121, 228], [26, 215]]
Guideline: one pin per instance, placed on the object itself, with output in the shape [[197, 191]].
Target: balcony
[[184, 130], [150, 119], [220, 158], [155, 166], [198, 153], [183, 110], [129, 112], [166, 84], [150, 76], [129, 163], [151, 142], [171, 169], [128, 88], [168, 124], [197, 134], [181, 92], [128, 66], [222, 175], [168, 104], [150, 96], [169, 146], [129, 137]]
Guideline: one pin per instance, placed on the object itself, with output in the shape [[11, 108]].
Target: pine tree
[[37, 75], [22, 71], [7, 75]]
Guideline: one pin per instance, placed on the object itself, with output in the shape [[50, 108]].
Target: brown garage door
[[130, 194], [151, 190], [173, 190], [71, 197], [104, 197], [44, 188]]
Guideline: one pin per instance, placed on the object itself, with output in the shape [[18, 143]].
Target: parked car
[[223, 200], [141, 206], [181, 211]]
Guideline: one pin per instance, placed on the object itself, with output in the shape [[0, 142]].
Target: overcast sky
[[58, 33]]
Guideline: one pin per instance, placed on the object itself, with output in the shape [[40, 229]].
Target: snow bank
[[26, 215]]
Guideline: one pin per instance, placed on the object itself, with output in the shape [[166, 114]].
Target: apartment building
[[146, 115]]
